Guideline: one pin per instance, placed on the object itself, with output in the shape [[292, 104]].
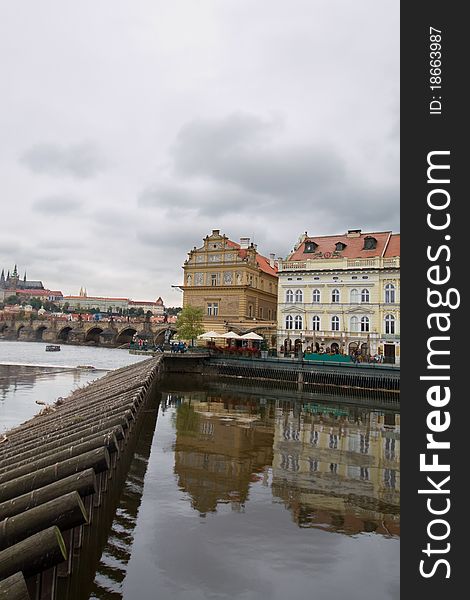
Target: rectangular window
[[215, 279], [260, 312], [212, 309]]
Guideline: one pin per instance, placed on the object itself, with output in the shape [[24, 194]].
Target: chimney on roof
[[244, 242], [353, 233], [272, 256]]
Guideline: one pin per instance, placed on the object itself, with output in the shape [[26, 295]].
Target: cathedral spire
[[15, 272], [2, 276], [24, 278]]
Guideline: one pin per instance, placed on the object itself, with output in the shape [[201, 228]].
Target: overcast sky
[[132, 128]]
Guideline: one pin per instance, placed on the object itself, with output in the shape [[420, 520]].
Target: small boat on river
[[52, 348]]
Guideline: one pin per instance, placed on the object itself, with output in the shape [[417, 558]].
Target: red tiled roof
[[92, 298], [393, 246], [354, 246], [261, 261], [35, 292]]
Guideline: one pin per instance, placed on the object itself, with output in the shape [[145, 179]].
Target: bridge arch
[[125, 335], [63, 334], [3, 328], [93, 335], [19, 330], [160, 335], [40, 332]]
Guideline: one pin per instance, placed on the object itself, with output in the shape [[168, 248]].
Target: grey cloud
[[80, 161], [198, 139], [253, 159], [61, 244], [214, 200], [57, 205], [219, 173]]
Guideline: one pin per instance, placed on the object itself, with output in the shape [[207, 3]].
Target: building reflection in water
[[221, 446], [334, 467]]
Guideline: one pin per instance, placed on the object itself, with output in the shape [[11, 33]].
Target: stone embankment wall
[[54, 472]]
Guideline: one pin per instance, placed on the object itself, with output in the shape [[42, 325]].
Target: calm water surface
[[240, 498], [28, 374], [229, 495]]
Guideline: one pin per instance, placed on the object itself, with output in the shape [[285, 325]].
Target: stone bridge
[[97, 333]]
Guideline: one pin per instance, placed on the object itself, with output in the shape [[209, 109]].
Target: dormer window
[[370, 243], [310, 247], [340, 246]]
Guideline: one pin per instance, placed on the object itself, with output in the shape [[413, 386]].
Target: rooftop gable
[[359, 245]]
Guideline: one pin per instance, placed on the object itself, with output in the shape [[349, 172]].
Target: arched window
[[289, 321], [390, 324], [316, 323], [316, 296], [365, 323], [354, 296], [365, 295], [335, 323], [289, 296], [299, 296], [335, 295], [354, 324], [298, 322], [389, 293]]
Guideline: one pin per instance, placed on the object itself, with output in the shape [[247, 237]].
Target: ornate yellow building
[[233, 283]]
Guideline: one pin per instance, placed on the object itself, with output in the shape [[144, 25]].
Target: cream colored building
[[342, 293], [328, 465], [233, 283], [104, 304]]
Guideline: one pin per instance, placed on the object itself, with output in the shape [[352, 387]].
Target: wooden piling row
[[54, 471]]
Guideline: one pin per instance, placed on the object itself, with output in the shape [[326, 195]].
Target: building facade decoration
[[233, 284], [341, 293]]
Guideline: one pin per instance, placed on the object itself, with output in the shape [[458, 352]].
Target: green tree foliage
[[12, 300], [189, 324], [50, 306], [36, 303], [173, 310], [187, 420]]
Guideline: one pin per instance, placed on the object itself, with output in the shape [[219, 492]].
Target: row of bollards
[[54, 471]]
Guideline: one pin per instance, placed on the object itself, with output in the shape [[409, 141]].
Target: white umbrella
[[208, 335], [251, 336], [230, 335]]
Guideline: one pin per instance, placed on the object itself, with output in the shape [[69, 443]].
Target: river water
[[29, 374], [237, 496]]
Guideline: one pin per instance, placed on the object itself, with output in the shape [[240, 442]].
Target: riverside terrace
[[57, 469]]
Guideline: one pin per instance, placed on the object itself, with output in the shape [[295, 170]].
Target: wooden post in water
[[14, 588], [33, 555], [65, 512]]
